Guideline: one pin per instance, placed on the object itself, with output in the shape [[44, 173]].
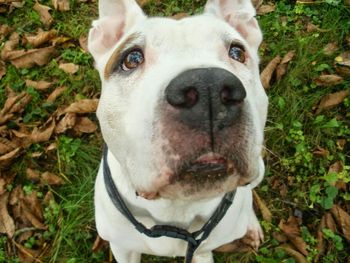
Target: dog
[[182, 113]]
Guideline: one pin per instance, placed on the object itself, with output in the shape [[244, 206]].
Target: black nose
[[208, 98]]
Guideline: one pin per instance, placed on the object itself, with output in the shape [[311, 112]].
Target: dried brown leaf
[[31, 57], [328, 80], [59, 40], [27, 255], [142, 3], [282, 67], [5, 30], [6, 145], [257, 3], [342, 63], [336, 167], [57, 92], [332, 100], [61, 5], [45, 16], [343, 220], [265, 9], [295, 254], [32, 218], [99, 243], [7, 158], [69, 68], [33, 175], [39, 85], [2, 69], [51, 179], [67, 122], [292, 230], [2, 186], [41, 38], [330, 48], [83, 106], [7, 225], [320, 239], [33, 204], [267, 73], [179, 16], [321, 152], [265, 212], [85, 125], [43, 133], [10, 45], [83, 43], [16, 195]]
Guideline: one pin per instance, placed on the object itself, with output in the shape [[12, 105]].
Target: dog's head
[[182, 107]]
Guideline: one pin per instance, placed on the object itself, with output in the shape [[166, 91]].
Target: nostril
[[186, 97], [191, 97], [231, 96]]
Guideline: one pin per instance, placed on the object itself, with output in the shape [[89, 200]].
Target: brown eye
[[236, 52], [132, 60]]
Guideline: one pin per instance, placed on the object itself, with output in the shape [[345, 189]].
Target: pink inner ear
[[105, 34]]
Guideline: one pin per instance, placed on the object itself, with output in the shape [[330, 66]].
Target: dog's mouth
[[210, 166]]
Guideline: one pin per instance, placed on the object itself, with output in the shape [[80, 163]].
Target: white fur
[[129, 118]]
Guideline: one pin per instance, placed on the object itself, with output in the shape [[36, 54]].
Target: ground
[[50, 144]]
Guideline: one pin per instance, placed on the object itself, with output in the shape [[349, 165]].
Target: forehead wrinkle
[[128, 42]]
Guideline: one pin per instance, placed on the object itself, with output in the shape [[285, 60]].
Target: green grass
[[293, 131]]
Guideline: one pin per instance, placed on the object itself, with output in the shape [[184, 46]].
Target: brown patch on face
[[117, 53]]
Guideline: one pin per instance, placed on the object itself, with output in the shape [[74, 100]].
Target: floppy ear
[[116, 18], [240, 14]]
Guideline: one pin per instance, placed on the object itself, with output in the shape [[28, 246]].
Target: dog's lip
[[209, 165]]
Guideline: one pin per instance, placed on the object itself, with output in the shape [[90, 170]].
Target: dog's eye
[[237, 52], [132, 60]]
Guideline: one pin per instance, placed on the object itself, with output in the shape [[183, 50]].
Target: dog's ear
[[240, 14], [116, 18]]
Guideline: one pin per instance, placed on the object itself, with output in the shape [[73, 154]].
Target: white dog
[[182, 112]]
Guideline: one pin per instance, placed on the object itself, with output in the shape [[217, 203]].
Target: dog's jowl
[[182, 113]]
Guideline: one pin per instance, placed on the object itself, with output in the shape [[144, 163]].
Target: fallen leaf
[[10, 45], [265, 9], [41, 38], [343, 220], [83, 106], [281, 69], [66, 123], [332, 100], [69, 68], [13, 104], [257, 3], [321, 152], [2, 186], [5, 30], [85, 125], [7, 225], [51, 179], [265, 212], [179, 16], [33, 175], [320, 238], [27, 255], [43, 133], [292, 230], [99, 243], [6, 145], [59, 40], [266, 74], [32, 218], [336, 167], [328, 80], [83, 42], [61, 5], [342, 63], [31, 57], [341, 144], [7, 158], [2, 69], [295, 254], [330, 48], [57, 92], [38, 85], [44, 13]]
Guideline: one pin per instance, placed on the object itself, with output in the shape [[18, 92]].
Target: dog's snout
[[207, 98]]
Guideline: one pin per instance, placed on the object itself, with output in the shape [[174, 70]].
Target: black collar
[[193, 239]]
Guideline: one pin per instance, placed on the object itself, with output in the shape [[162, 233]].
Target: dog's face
[[182, 107]]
